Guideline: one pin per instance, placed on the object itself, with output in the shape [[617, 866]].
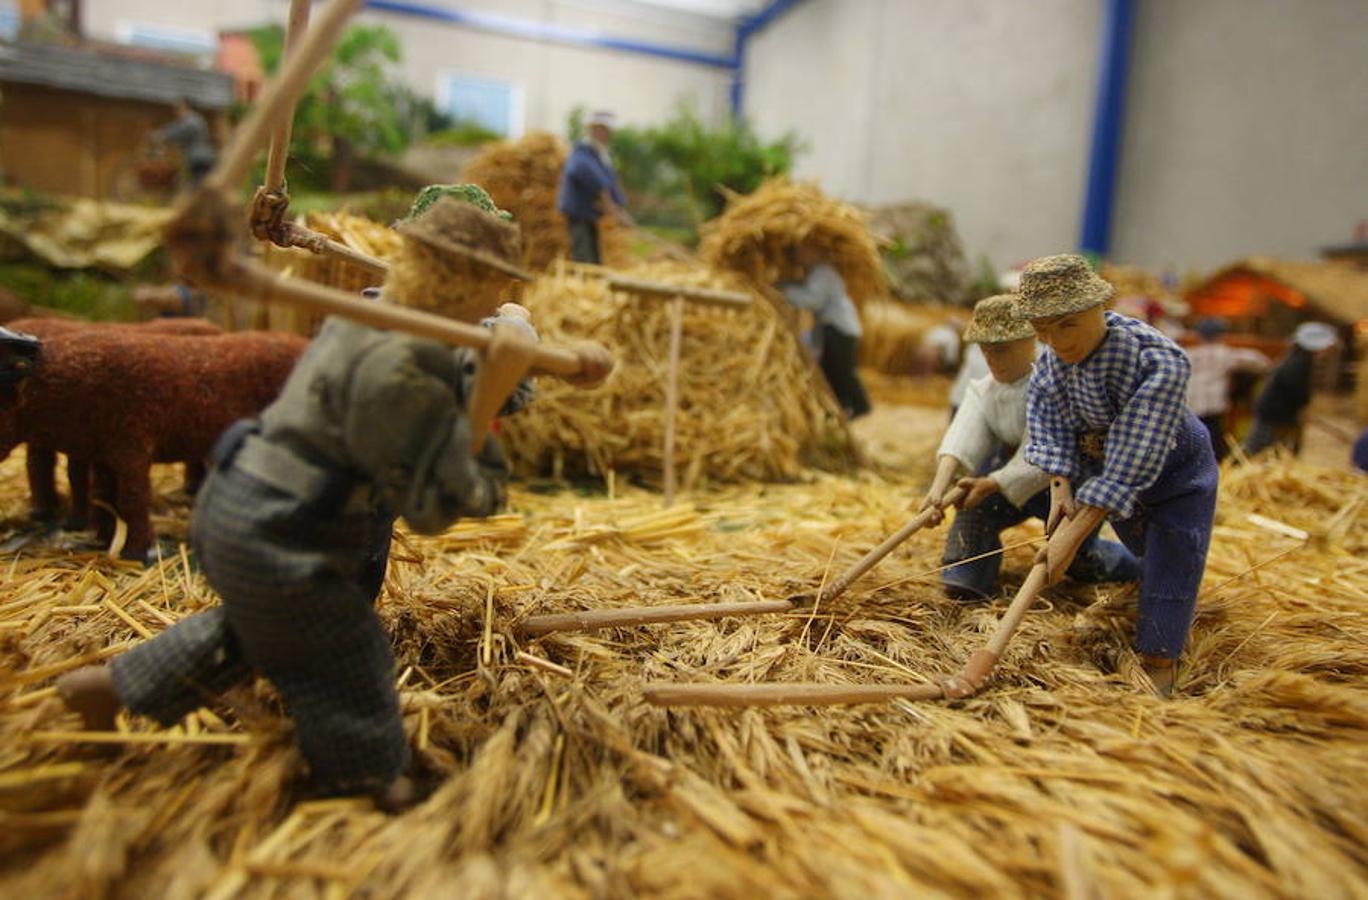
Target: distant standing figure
[[189, 133], [588, 186], [1208, 392], [823, 292], [1278, 409]]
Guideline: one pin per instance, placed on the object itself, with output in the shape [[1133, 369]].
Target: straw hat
[[995, 321], [1059, 285], [452, 226], [1314, 336]]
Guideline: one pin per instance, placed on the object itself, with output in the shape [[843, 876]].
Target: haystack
[[755, 233], [923, 254], [893, 333], [748, 406], [1059, 780], [523, 177]]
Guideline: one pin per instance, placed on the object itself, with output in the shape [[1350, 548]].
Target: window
[[9, 22], [191, 41], [488, 102]]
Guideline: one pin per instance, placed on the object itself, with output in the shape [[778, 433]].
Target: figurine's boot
[[90, 691], [397, 796], [1162, 671]]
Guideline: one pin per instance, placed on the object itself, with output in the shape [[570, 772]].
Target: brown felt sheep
[[42, 461], [123, 399]]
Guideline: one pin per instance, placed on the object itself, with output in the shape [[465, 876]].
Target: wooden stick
[[672, 394], [280, 95], [261, 282], [280, 140], [666, 291], [838, 587], [133, 737], [663, 694], [591, 620]]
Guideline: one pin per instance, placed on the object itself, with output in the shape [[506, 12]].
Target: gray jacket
[[390, 409]]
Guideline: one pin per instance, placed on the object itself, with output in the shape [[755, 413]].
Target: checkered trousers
[[298, 585], [1133, 389]]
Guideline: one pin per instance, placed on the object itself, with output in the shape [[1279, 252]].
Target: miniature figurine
[[293, 524], [1106, 412], [987, 439]]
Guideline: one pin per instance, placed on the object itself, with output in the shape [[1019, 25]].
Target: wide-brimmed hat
[[1059, 285], [996, 321], [452, 226], [1314, 336]]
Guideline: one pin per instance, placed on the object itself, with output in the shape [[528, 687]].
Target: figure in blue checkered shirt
[[1106, 419]]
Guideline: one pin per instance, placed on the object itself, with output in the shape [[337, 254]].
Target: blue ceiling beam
[[1108, 124], [554, 34], [748, 28]]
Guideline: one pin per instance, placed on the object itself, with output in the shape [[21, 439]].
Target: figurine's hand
[[595, 364], [1062, 505], [933, 503], [1059, 552], [976, 490]]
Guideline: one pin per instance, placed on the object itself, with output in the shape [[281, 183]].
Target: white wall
[[554, 78], [1246, 131], [1246, 128]]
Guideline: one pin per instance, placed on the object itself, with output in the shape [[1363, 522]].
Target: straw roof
[[1061, 779], [1335, 289]]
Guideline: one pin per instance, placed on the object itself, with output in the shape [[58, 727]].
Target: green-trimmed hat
[[1059, 285], [473, 194], [449, 224], [996, 321]]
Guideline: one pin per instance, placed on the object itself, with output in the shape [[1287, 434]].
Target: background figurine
[[589, 188], [987, 439], [293, 525], [823, 292], [1287, 392], [1208, 392], [1106, 412]]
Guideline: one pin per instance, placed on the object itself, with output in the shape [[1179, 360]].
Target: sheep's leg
[[133, 502], [42, 468], [102, 501], [78, 478]]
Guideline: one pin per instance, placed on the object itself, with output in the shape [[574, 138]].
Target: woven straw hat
[[995, 321], [1059, 285], [451, 226]]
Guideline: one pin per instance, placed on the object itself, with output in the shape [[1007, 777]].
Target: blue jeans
[[978, 531]]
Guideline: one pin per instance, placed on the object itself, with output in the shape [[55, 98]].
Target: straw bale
[[1249, 784], [748, 405], [893, 332], [523, 177], [754, 234]]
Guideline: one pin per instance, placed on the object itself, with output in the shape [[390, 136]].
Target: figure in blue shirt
[[588, 188], [1106, 418]]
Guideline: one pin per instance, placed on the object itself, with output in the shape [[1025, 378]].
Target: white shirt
[[1208, 391], [994, 415], [975, 366], [824, 293]]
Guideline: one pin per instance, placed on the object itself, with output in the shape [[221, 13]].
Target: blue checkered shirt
[[1132, 388]]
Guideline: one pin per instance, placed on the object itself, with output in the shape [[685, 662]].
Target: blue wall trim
[[1108, 123], [744, 32], [556, 34]]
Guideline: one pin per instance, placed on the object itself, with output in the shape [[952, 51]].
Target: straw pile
[[923, 254], [748, 405], [753, 237], [1060, 780], [893, 333], [523, 177]]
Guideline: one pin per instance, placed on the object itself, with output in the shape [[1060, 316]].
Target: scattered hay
[[748, 405], [523, 177], [755, 233], [1250, 784]]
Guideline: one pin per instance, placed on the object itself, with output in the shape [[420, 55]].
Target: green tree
[[353, 107]]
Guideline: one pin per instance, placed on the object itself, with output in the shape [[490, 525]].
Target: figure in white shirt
[[986, 439], [1213, 362]]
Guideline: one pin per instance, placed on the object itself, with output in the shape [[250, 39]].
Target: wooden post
[[672, 395]]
